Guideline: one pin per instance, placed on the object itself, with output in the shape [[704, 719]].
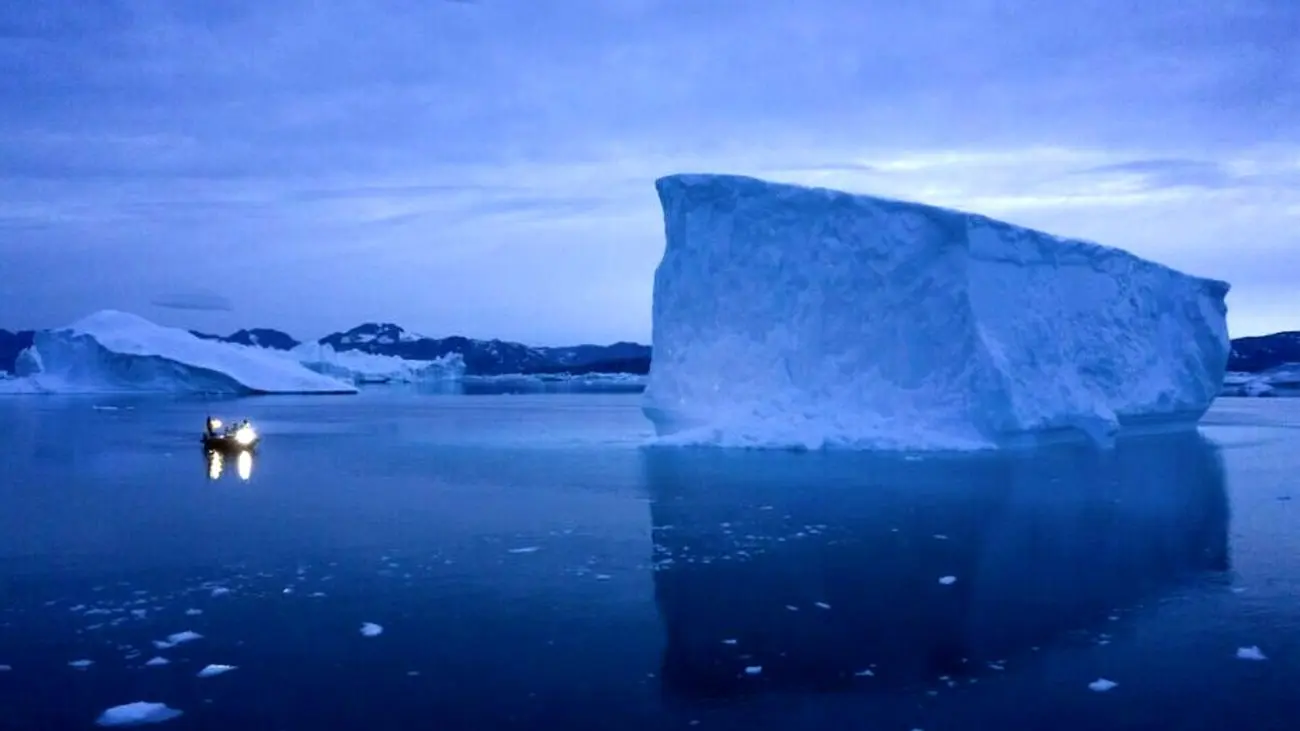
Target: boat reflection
[[217, 464], [829, 570]]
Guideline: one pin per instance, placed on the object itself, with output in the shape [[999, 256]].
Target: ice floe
[[134, 714], [1101, 685], [213, 670], [158, 661], [370, 629], [1250, 653], [176, 639]]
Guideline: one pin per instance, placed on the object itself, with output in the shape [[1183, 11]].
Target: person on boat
[[211, 427]]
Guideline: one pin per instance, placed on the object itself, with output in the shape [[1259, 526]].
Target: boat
[[238, 437]]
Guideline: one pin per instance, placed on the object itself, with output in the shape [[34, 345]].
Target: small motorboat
[[238, 437]]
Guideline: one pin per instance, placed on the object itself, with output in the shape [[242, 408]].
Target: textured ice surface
[[797, 317], [113, 351]]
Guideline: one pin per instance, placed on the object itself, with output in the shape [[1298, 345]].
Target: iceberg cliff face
[[113, 351], [795, 317]]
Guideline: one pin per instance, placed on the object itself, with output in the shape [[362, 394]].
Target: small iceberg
[[525, 549], [214, 670], [134, 714], [1250, 653], [158, 661], [193, 612], [754, 670], [1101, 685], [81, 664], [370, 629], [948, 580], [6, 668]]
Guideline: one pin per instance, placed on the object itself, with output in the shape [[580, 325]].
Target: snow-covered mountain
[[491, 357], [1264, 352], [261, 337]]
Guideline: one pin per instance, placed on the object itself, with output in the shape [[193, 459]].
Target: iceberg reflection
[[823, 565]]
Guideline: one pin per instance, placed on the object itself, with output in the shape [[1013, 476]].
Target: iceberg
[[797, 317], [1282, 380], [361, 367], [115, 352]]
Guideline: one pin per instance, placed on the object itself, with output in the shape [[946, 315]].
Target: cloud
[[198, 300], [489, 167], [1171, 173]]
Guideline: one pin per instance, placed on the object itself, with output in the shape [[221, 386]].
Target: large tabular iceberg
[[796, 317], [113, 351]]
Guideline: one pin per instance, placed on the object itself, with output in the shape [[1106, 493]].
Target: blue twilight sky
[[486, 168]]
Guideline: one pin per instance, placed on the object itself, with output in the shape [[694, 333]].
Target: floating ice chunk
[[1101, 685], [525, 549], [603, 577], [81, 664], [176, 639], [821, 605], [1250, 653], [6, 668], [940, 537], [948, 580], [134, 714], [193, 612], [864, 674], [370, 629], [729, 642], [213, 670], [158, 662], [754, 670], [316, 594], [792, 607], [139, 613]]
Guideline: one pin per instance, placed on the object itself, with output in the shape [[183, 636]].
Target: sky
[[486, 168]]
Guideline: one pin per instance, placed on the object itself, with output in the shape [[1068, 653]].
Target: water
[[533, 568]]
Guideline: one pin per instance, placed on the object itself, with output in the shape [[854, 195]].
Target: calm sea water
[[533, 567]]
